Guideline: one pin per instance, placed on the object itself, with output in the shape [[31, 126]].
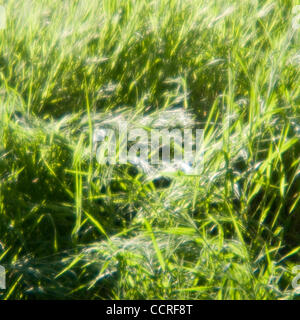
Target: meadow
[[71, 228]]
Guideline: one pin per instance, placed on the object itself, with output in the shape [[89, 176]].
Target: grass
[[230, 233]]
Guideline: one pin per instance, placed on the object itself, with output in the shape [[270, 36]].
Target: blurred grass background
[[231, 233]]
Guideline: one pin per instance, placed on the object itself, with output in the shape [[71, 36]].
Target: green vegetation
[[231, 233]]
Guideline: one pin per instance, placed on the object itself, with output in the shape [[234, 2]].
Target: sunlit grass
[[72, 228]]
